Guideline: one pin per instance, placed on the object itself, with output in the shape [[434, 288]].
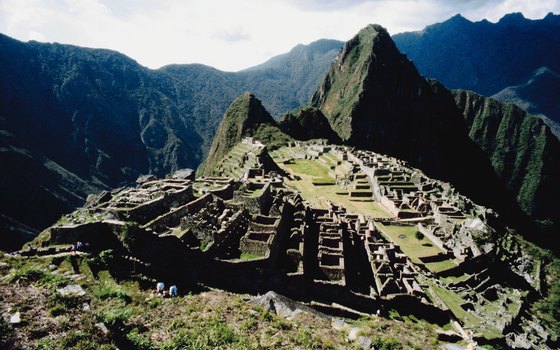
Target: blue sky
[[231, 34]]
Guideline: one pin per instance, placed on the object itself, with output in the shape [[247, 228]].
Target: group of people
[[78, 247], [161, 291]]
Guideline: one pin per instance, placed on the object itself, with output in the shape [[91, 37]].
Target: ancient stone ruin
[[250, 230]]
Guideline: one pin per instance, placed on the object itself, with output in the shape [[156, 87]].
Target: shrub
[[112, 290], [115, 318], [34, 274], [127, 236], [419, 235], [56, 310], [139, 341], [386, 344], [27, 274], [106, 257]]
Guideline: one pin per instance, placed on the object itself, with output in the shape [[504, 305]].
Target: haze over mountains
[[75, 120]]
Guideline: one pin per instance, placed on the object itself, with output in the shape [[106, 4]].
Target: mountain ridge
[[537, 95], [101, 116], [482, 56]]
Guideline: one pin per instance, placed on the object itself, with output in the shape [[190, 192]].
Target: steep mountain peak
[[458, 18], [514, 18], [248, 106], [551, 17], [246, 116], [367, 61], [454, 23]]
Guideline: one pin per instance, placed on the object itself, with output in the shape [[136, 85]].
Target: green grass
[[212, 334], [328, 181], [250, 256], [107, 290], [454, 302], [454, 279], [410, 245], [310, 171], [440, 266], [413, 247], [309, 167]]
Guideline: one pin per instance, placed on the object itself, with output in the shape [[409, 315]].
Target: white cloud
[[33, 35], [231, 34]]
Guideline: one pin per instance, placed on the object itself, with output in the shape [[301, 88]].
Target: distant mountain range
[[75, 121], [538, 95], [514, 60]]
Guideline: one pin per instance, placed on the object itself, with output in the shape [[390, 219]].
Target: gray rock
[[71, 290], [363, 342], [282, 306], [15, 318], [353, 334], [338, 324]]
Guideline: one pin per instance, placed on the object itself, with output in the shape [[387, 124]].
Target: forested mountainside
[[522, 150], [513, 60], [78, 120]]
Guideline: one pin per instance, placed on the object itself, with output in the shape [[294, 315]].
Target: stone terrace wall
[[98, 235]]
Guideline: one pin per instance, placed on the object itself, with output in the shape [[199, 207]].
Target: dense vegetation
[[522, 151]]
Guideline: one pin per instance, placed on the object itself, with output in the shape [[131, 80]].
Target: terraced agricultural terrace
[[346, 231]]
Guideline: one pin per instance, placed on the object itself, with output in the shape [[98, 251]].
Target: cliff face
[[521, 148], [375, 99]]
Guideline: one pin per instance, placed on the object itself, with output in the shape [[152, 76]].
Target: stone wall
[[99, 235], [426, 231]]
